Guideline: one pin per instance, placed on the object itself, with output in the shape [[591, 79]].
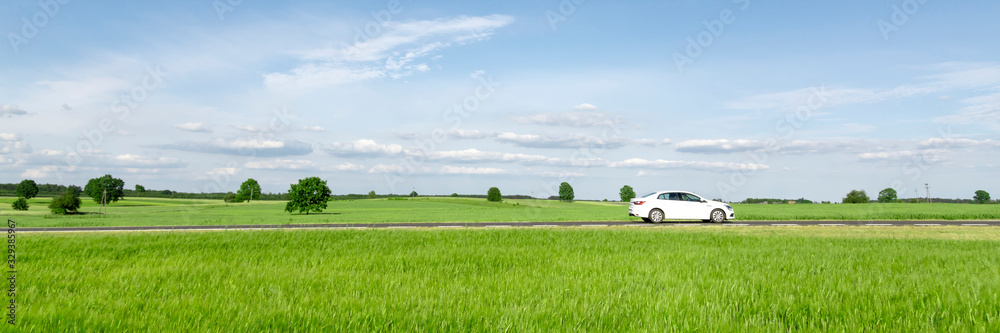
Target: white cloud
[[818, 97], [981, 109], [475, 155], [280, 164], [193, 127], [313, 129], [471, 171], [572, 119], [585, 107], [438, 135], [347, 166], [921, 156], [725, 146], [9, 137], [695, 165], [224, 171], [40, 172], [254, 147], [363, 147], [11, 110], [387, 168], [391, 54], [571, 141]]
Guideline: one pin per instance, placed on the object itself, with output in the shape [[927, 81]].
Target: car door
[[668, 206], [694, 208]]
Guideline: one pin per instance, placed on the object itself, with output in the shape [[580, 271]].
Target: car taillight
[[637, 203]]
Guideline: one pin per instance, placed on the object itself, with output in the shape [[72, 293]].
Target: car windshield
[[648, 195]]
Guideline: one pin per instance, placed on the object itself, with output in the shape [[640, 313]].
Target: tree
[[626, 193], [20, 204], [140, 191], [856, 196], [413, 194], [249, 191], [68, 202], [981, 197], [229, 198], [493, 194], [887, 195], [565, 192], [96, 189], [27, 189], [309, 195], [454, 195], [371, 194]]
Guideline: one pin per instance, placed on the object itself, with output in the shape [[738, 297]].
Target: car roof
[[661, 192]]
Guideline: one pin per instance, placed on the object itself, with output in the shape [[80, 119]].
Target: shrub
[[493, 194], [20, 204], [66, 203], [856, 196]]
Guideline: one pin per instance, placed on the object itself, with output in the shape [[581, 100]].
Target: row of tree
[[889, 195]]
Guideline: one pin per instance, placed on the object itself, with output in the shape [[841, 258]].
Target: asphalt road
[[526, 225]]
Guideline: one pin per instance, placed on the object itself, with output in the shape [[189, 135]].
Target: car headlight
[[730, 208]]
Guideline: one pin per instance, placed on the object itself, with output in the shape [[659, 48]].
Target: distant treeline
[[53, 190], [44, 190], [776, 201]]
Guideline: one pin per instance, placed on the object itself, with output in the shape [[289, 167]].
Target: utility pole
[[104, 197], [928, 187]]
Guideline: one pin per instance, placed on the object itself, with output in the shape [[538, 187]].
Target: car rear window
[[648, 195]]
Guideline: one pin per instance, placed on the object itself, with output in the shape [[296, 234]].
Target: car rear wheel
[[656, 216], [718, 216]]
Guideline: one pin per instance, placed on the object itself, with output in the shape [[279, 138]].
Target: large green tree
[[887, 195], [249, 191], [371, 194], [626, 193], [68, 202], [309, 195], [27, 189], [140, 191], [114, 187], [856, 196], [981, 197], [493, 194], [565, 192]]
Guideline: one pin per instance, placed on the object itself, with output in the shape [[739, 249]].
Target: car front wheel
[[718, 216], [656, 216]]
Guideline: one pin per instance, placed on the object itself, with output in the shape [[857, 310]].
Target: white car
[[679, 205]]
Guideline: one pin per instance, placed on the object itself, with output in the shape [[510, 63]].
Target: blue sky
[[730, 99]]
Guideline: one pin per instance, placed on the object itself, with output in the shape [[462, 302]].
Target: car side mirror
[[704, 201]]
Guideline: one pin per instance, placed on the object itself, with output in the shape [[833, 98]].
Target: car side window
[[662, 196], [689, 197], [675, 196]]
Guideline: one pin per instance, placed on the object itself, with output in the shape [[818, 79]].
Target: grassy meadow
[[551, 279], [154, 211]]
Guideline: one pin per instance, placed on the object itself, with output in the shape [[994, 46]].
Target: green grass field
[[561, 279], [149, 212]]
